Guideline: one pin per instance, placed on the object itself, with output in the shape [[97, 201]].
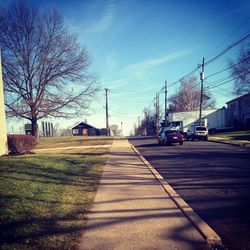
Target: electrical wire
[[187, 75], [235, 30], [220, 80], [216, 73], [211, 87], [246, 37]]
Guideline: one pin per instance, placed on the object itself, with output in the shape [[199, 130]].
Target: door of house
[[84, 132]]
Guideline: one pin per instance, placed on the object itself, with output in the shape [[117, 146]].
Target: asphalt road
[[213, 178]]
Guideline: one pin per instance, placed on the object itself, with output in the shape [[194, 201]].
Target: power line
[[246, 37], [181, 79], [216, 73], [211, 87], [235, 30], [151, 104], [220, 80], [226, 90], [227, 49], [212, 59]]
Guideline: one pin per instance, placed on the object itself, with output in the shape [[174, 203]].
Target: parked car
[[170, 136], [197, 132]]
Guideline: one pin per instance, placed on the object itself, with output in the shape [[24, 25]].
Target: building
[[240, 110], [84, 129], [28, 129]]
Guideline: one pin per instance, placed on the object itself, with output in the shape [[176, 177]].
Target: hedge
[[21, 144]]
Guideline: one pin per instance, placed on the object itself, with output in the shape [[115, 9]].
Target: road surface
[[213, 178]]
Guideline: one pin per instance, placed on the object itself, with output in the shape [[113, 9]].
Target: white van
[[197, 132]]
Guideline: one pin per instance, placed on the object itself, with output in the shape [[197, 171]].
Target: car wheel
[[192, 138], [181, 143], [206, 138]]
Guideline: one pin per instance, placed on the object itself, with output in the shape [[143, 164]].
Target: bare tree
[[147, 125], [187, 98], [44, 68], [241, 70]]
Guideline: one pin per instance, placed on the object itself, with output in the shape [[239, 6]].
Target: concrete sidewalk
[[131, 210]]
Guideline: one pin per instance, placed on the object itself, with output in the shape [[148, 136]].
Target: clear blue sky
[[137, 45]]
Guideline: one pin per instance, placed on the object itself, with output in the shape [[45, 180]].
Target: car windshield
[[201, 129]]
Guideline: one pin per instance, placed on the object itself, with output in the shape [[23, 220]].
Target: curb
[[211, 237]]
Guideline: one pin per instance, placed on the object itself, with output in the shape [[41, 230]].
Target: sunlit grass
[[236, 135], [70, 141], [44, 197]]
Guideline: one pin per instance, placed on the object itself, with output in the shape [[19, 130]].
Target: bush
[[21, 144]]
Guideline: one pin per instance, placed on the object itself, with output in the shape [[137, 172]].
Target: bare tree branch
[[241, 70], [187, 98], [45, 70]]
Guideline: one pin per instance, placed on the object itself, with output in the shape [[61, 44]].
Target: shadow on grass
[[35, 228], [45, 196], [241, 137]]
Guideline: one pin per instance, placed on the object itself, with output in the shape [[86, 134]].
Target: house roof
[[238, 98], [82, 125]]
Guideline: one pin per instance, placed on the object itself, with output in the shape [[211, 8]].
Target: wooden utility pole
[[139, 126], [166, 103], [146, 118], [107, 112], [201, 98], [157, 112]]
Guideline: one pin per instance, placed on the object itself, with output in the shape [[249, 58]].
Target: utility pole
[[201, 98], [145, 113], [157, 111], [107, 112], [166, 103], [139, 129]]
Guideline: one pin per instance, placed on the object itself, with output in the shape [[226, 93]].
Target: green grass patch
[[236, 135], [45, 197], [71, 141]]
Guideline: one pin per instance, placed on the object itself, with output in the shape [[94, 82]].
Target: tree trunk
[[34, 127]]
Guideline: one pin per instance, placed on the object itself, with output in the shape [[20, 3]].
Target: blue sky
[[136, 45]]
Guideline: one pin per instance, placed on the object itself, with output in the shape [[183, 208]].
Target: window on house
[[75, 131]]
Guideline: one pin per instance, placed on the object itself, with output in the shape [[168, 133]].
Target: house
[[240, 108], [84, 129], [28, 129]]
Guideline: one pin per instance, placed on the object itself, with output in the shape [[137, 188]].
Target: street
[[213, 178]]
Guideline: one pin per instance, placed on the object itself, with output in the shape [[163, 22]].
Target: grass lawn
[[236, 135], [44, 197], [71, 141]]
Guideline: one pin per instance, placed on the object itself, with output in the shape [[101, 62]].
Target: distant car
[[197, 132], [170, 136]]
